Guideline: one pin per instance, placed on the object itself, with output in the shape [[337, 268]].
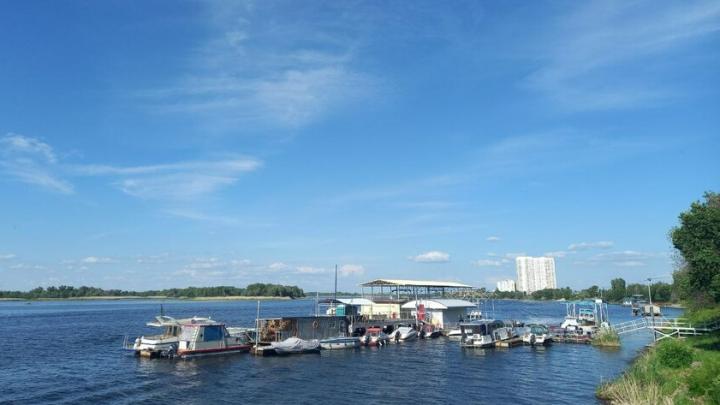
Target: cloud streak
[[264, 68], [591, 245], [31, 161], [433, 256], [580, 60]]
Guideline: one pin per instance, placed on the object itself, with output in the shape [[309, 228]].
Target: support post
[[652, 310]]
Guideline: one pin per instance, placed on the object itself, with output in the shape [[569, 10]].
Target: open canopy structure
[[396, 289]]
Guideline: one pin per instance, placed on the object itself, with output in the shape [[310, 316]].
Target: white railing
[[666, 327]]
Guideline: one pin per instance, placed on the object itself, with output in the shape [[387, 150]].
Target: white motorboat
[[189, 337], [340, 342], [294, 345], [162, 344], [536, 334], [477, 334], [472, 316], [374, 336], [484, 333], [403, 333]]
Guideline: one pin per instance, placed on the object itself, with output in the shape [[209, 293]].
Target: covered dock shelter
[[397, 290], [439, 312]]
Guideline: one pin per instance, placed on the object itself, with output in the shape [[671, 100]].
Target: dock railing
[[667, 327]]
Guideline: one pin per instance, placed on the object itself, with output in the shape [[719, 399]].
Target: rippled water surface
[[70, 352]]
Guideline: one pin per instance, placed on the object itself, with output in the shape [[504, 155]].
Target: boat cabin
[[209, 337]]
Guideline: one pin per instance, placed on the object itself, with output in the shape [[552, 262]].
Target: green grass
[[674, 372], [606, 337]]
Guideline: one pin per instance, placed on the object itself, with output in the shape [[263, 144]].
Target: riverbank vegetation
[[674, 372], [684, 371], [606, 337], [69, 292]]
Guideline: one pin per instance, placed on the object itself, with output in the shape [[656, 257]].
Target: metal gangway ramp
[[666, 327]]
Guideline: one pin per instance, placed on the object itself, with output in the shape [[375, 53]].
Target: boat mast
[[335, 294]]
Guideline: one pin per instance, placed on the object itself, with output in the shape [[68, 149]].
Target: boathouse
[[386, 297], [438, 312]]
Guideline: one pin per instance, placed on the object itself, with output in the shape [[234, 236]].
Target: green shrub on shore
[[606, 337], [674, 372], [705, 380], [674, 354], [704, 315]]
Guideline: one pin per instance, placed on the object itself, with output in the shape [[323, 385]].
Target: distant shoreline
[[152, 297]]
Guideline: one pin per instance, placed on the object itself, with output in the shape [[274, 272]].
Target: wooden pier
[[579, 339]]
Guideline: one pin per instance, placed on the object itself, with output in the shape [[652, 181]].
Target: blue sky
[[164, 144]]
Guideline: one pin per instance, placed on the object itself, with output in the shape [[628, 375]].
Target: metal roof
[[439, 304], [356, 301], [413, 283]]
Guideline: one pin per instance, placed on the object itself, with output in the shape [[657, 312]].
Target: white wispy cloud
[[32, 161], [174, 181], [310, 270], [623, 258], [492, 238], [351, 269], [585, 49], [7, 256], [95, 260], [604, 244], [265, 68], [433, 256], [276, 266], [558, 254], [489, 263]]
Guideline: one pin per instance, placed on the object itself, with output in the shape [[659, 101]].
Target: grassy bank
[[683, 371]]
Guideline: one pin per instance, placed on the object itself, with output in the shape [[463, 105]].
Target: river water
[[70, 352]]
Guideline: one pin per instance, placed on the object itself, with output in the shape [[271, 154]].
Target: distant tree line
[[661, 292], [252, 290]]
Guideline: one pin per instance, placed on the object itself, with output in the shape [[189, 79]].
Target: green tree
[[698, 240], [617, 289]]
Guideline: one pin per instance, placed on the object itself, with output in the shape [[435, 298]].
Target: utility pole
[[652, 310]]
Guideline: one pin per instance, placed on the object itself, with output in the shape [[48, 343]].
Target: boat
[[190, 337], [537, 334], [202, 337], [477, 334], [403, 333], [163, 344], [294, 345], [472, 316], [340, 342], [374, 336], [651, 310], [429, 331]]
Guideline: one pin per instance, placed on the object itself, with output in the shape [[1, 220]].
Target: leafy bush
[[674, 354], [704, 380], [705, 315]]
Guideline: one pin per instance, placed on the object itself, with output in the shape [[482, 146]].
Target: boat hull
[[213, 352], [339, 343]]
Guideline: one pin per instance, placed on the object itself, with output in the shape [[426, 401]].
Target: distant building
[[506, 285], [535, 273]]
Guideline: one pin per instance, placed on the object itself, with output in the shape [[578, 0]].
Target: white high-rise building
[[506, 285], [535, 273]]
